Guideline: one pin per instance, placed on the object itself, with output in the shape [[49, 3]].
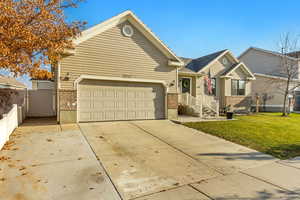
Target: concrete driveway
[[143, 160], [45, 161]]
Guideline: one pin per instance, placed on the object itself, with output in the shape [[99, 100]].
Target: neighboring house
[[218, 78], [295, 54], [270, 81], [42, 84], [11, 92], [118, 70], [11, 83]]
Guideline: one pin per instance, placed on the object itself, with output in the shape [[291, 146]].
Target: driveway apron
[[139, 163], [224, 156]]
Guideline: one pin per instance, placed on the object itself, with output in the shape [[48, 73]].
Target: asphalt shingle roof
[[229, 69], [197, 64]]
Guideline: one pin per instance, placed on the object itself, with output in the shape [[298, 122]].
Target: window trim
[[237, 89]]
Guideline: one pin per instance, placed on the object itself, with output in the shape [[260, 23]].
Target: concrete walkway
[[143, 160]]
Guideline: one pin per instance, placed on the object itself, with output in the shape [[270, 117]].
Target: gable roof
[[137, 23], [227, 72], [199, 63], [195, 66], [275, 77], [9, 82], [187, 71], [266, 51]]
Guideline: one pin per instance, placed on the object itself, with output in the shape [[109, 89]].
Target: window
[[238, 87], [127, 30]]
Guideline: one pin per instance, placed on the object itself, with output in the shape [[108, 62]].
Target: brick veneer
[[67, 100], [241, 103], [172, 100]]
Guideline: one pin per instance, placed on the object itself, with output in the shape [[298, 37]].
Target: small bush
[[6, 100], [182, 109]]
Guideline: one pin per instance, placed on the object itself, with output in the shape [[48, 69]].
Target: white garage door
[[112, 100]]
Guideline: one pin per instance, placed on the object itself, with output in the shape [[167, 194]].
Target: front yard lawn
[[265, 132]]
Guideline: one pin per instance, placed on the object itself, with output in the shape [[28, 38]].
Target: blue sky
[[193, 28]]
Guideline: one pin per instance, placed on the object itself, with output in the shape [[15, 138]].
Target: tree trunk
[[285, 96], [284, 105]]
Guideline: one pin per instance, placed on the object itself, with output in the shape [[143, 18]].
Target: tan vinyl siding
[[264, 63], [223, 85], [114, 55], [271, 90], [216, 69]]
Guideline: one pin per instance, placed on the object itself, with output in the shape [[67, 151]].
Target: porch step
[[208, 113]]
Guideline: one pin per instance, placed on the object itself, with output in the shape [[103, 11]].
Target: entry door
[[111, 100], [185, 85]]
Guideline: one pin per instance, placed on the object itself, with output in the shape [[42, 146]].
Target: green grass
[[266, 132]]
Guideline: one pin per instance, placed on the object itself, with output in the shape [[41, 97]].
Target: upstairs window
[[238, 87]]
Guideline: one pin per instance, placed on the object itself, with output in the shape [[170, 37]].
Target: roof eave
[[190, 74], [267, 51]]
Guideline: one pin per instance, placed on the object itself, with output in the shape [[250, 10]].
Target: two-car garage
[[118, 70], [104, 100]]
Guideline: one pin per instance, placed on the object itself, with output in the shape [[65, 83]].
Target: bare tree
[[288, 68]]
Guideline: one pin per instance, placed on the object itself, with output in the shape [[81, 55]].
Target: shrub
[[182, 109], [6, 100]]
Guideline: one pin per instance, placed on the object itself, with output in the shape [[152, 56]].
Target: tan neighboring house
[[119, 70], [17, 94], [229, 79], [42, 84], [270, 82], [11, 83]]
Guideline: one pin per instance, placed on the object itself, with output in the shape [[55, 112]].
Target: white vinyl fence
[[41, 103], [10, 122]]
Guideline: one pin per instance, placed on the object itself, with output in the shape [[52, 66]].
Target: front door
[[185, 85]]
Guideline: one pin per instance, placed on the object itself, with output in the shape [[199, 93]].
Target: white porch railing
[[9, 122], [211, 103], [198, 103]]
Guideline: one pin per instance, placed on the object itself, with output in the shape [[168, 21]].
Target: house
[[216, 81], [11, 92], [11, 83], [38, 84], [118, 70], [270, 82]]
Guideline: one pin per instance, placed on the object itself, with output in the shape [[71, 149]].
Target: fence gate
[[41, 103]]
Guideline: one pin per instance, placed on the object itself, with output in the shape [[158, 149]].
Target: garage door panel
[[85, 116], [109, 100]]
